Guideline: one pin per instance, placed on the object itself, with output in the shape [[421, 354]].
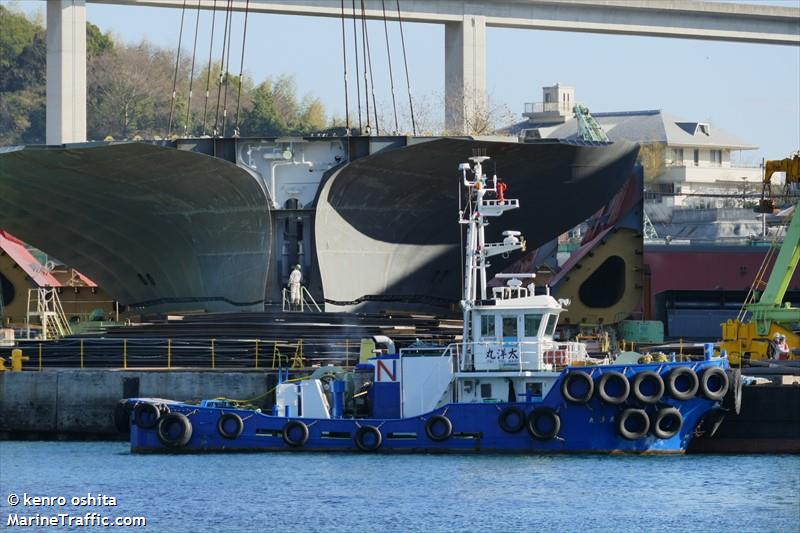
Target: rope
[[364, 55], [344, 61], [389, 56], [227, 74], [222, 67], [191, 74], [250, 400], [358, 87], [208, 76], [241, 69], [175, 77], [405, 62], [371, 77]]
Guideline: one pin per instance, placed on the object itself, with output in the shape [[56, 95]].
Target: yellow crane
[[770, 316]]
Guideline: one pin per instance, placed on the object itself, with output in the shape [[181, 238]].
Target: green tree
[[263, 117], [23, 55], [312, 119], [97, 42]]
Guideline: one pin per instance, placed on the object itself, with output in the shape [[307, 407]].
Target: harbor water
[[322, 492]]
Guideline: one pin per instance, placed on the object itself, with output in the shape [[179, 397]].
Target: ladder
[[44, 308]]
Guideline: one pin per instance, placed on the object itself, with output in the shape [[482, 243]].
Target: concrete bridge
[[465, 24]]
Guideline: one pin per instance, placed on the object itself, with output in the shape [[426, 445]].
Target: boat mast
[[477, 250]]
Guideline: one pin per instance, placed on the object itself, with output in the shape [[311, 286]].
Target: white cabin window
[[509, 327], [552, 320], [487, 326], [532, 323]]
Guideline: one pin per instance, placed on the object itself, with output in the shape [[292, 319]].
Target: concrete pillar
[[465, 74], [66, 71]]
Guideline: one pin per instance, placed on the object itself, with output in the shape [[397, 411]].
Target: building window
[[716, 158], [487, 326], [696, 157], [677, 156]]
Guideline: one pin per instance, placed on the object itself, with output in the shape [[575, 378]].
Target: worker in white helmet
[[781, 346], [294, 286]]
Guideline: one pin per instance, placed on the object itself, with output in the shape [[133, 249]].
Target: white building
[[692, 164]]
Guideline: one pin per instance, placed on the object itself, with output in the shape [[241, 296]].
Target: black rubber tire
[[623, 419], [672, 383], [225, 419], [536, 415], [365, 446], [707, 375], [504, 416], [637, 384], [733, 398], [146, 415], [603, 381], [671, 416], [168, 421], [435, 420], [570, 379], [122, 416], [287, 433]]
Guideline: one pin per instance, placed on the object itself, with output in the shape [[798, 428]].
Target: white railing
[[548, 107], [306, 300], [523, 355]]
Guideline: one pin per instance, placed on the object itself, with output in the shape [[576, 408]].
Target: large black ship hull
[[166, 229]]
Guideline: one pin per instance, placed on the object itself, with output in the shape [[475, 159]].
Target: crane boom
[[769, 307], [588, 128]]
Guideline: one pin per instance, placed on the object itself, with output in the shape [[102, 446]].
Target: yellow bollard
[[256, 353], [81, 353], [169, 353], [213, 362], [16, 360], [125, 354], [3, 365]]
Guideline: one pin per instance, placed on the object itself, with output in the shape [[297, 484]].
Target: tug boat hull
[[496, 427]]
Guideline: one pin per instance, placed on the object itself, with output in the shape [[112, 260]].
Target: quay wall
[[79, 403]]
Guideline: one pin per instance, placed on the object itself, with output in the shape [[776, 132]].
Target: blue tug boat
[[508, 387]]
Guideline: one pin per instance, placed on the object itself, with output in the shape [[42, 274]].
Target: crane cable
[[227, 74], [175, 77], [358, 84], [364, 57], [344, 61], [208, 73], [222, 68], [191, 73], [369, 62], [405, 62], [389, 56], [241, 69]]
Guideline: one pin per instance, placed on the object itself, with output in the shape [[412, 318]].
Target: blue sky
[[752, 91]]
